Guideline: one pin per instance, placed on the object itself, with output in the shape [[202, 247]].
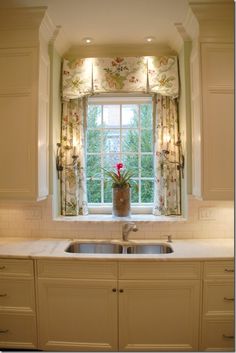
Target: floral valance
[[142, 74]]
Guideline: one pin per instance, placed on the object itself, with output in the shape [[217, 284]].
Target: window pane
[[93, 141], [111, 115], [146, 141], [130, 115], [94, 191], [134, 190], [111, 140], [93, 165], [131, 163], [110, 161], [94, 116], [146, 115], [107, 191], [130, 139], [146, 191], [147, 166]]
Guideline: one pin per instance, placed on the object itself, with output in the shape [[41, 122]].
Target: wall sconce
[[166, 152], [59, 155]]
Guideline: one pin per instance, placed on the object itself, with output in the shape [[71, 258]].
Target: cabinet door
[[158, 315], [218, 121], [77, 315]]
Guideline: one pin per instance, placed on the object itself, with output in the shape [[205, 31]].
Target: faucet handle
[[169, 239]]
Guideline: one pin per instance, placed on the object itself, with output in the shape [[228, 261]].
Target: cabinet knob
[[113, 289], [3, 295], [2, 267], [121, 290], [229, 337], [4, 331], [229, 270]]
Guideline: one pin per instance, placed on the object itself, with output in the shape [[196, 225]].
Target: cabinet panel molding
[[159, 315], [77, 314]]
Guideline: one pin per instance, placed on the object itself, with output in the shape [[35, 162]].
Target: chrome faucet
[[127, 228]]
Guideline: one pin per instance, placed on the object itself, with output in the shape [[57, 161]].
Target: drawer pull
[[229, 270], [229, 337], [228, 299], [3, 295], [4, 331], [2, 267]]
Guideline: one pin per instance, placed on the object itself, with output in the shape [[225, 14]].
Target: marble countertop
[[187, 249]]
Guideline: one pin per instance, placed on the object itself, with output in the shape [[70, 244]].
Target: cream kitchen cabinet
[[218, 307], [99, 306], [159, 310], [24, 103], [212, 100], [77, 306], [17, 305], [213, 121]]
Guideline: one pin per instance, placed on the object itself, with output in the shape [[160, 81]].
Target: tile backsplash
[[206, 219]]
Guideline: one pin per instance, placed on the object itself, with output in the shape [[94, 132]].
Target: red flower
[[118, 167]]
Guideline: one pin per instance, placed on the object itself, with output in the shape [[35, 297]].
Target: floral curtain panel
[[167, 174], [73, 178], [121, 74]]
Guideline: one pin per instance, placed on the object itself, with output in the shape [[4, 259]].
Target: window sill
[[110, 218]]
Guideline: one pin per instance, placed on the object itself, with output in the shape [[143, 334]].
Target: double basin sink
[[111, 248]]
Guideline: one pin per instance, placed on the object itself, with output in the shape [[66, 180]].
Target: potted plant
[[120, 190]]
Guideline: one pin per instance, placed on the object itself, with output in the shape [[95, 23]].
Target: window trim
[[107, 209]]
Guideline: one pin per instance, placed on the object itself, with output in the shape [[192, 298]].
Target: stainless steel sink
[[149, 249], [94, 248], [110, 248]]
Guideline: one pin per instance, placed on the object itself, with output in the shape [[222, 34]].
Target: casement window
[[119, 129]]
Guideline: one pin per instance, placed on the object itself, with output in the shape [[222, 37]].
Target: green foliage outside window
[[131, 142]]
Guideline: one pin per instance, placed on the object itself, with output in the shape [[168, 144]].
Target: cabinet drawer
[[18, 331], [21, 268], [219, 270], [218, 335], [77, 269], [17, 294], [218, 298], [159, 270]]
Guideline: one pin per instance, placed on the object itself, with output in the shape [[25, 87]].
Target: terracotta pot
[[121, 202]]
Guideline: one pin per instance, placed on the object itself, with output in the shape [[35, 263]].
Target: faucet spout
[[127, 228]]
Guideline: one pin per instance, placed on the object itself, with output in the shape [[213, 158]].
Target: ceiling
[[113, 22]]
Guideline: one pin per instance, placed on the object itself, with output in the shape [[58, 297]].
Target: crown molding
[[21, 18], [47, 28], [212, 9], [60, 42], [210, 20]]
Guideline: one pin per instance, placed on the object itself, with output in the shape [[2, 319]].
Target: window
[[120, 129]]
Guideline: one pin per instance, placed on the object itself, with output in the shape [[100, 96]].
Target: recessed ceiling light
[[87, 40], [149, 39]]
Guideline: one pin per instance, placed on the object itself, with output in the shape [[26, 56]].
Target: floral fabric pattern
[[162, 75], [77, 78], [167, 175], [120, 74], [73, 178], [82, 77]]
